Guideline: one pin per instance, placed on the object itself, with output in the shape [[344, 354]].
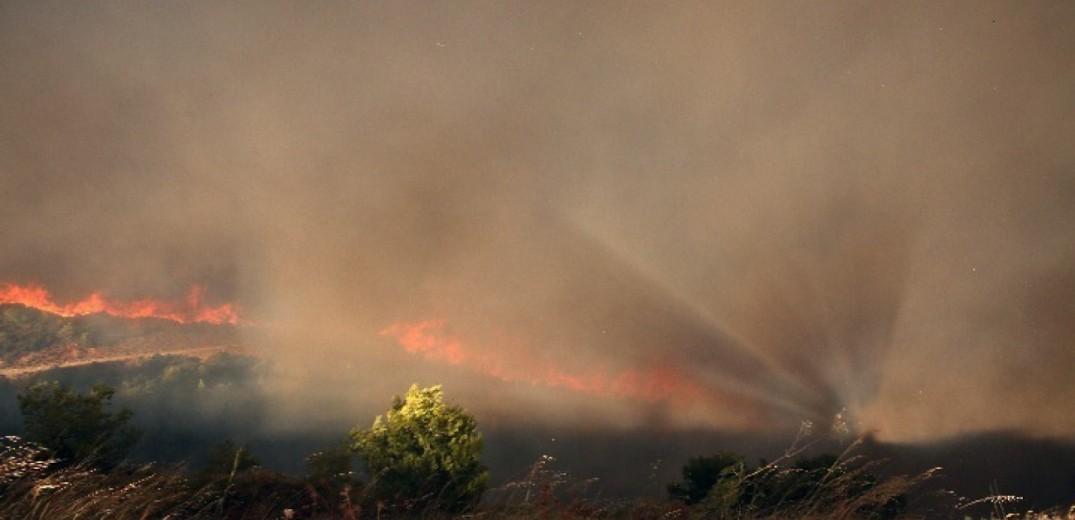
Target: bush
[[700, 474], [75, 427], [423, 454], [723, 486]]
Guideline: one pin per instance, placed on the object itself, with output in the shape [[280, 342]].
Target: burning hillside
[[192, 309], [36, 333], [511, 360]]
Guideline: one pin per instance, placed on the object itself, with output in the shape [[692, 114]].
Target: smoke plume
[[795, 210]]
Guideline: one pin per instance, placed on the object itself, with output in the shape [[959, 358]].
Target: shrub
[[723, 486], [75, 427], [700, 474], [423, 454]]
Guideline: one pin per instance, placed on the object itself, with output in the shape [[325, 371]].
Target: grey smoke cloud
[[803, 208]]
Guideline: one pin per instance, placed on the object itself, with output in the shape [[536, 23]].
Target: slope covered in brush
[[30, 336]]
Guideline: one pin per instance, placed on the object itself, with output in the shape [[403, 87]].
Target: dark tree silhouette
[[76, 427]]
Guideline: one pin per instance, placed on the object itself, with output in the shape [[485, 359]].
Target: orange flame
[[193, 309], [513, 363]]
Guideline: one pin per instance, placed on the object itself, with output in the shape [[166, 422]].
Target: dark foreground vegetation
[[421, 459]]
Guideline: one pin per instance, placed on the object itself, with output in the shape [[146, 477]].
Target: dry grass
[[76, 492], [31, 488]]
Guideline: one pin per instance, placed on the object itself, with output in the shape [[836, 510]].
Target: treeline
[[421, 458], [77, 451], [181, 404]]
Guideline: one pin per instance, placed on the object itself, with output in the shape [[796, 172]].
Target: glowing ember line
[[192, 309], [510, 362]]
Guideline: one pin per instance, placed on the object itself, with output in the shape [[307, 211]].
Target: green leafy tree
[[77, 427], [424, 454]]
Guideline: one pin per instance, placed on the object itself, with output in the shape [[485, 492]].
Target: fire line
[[510, 362], [192, 309]]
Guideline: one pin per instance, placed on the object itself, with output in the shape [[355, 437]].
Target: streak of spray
[[837, 309], [821, 324]]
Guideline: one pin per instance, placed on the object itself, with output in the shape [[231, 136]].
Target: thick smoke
[[804, 209]]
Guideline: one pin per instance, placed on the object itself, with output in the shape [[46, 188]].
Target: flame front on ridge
[[192, 309]]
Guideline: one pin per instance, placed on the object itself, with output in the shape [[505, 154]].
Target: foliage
[[30, 336], [424, 454], [329, 471], [24, 331], [254, 493], [225, 458], [76, 427], [700, 474], [330, 483], [823, 485], [31, 489], [330, 464], [224, 463]]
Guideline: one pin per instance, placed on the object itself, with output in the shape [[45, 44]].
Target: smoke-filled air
[[594, 218]]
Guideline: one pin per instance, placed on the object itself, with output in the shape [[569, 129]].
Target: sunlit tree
[[424, 454]]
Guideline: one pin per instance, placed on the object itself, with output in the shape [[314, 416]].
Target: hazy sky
[[759, 212]]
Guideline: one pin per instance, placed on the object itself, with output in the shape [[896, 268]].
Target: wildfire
[[191, 309], [511, 362]]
